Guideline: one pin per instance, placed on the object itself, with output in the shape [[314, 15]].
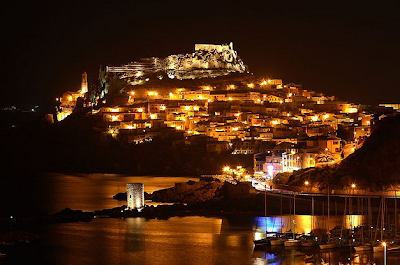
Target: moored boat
[[378, 248], [364, 247], [261, 242], [308, 243], [292, 243], [327, 246], [276, 242]]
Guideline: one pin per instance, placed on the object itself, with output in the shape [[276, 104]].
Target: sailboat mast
[[395, 214], [382, 216], [294, 216], [265, 208], [329, 235], [312, 214]]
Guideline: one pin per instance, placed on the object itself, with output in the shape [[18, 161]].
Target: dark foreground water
[[176, 241]]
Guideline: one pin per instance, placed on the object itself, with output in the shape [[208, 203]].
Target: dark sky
[[345, 48]]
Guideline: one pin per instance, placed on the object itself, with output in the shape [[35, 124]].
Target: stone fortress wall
[[206, 58]]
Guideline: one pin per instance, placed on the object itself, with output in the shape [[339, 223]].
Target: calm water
[[178, 240], [47, 193]]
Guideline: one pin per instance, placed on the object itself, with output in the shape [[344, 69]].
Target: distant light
[[270, 169], [306, 182], [353, 185]]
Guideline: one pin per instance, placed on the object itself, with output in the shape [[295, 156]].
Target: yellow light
[[179, 127], [314, 118], [292, 152], [281, 102], [306, 182], [187, 107], [162, 107], [114, 118], [155, 94], [153, 116], [251, 85], [384, 244], [70, 98], [235, 129], [263, 83], [275, 122], [351, 110], [152, 93], [229, 98], [114, 110], [129, 127], [227, 168], [353, 185], [132, 93], [140, 109]]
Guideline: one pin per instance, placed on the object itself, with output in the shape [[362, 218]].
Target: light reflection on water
[[303, 224], [178, 240]]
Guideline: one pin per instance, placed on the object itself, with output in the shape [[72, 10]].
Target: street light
[[384, 252], [306, 183]]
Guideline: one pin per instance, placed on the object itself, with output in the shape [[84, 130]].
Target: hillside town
[[284, 126]]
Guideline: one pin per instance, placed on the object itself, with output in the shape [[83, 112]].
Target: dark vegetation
[[74, 145]]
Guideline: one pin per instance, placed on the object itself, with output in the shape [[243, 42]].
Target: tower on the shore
[[84, 84], [135, 195]]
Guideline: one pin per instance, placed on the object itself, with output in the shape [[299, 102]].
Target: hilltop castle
[[207, 60]]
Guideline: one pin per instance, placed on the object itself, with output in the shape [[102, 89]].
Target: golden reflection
[[233, 240]]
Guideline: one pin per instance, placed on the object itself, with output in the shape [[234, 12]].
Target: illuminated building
[[207, 60], [84, 84], [135, 195]]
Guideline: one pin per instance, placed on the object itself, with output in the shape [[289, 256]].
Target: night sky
[[350, 50]]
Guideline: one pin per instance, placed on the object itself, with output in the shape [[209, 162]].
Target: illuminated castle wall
[[207, 60], [135, 195]]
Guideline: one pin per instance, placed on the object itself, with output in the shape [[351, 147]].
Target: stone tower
[[135, 195], [84, 84]]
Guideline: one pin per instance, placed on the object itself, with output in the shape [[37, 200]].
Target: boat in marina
[[292, 243], [327, 246], [261, 242], [308, 243], [277, 242], [363, 247]]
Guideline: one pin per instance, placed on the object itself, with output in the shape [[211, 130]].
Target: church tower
[[84, 85]]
